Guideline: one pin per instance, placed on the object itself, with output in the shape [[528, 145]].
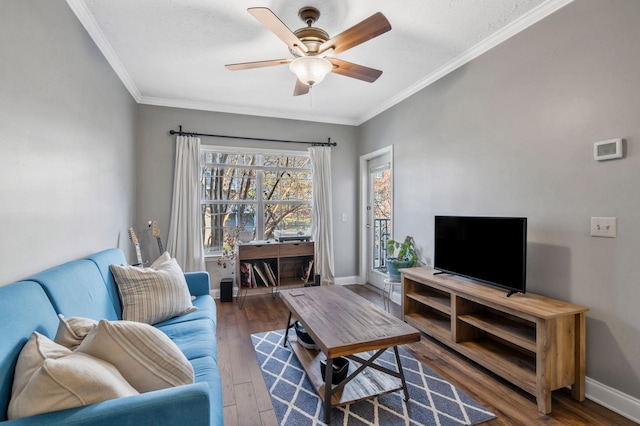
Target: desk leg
[[328, 379], [286, 331]]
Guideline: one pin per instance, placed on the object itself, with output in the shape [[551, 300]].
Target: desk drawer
[[257, 251], [296, 249]]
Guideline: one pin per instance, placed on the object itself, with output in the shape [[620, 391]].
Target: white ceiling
[[173, 52]]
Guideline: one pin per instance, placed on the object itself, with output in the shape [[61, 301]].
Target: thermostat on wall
[[607, 150]]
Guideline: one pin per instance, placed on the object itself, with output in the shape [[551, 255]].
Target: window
[[257, 191]]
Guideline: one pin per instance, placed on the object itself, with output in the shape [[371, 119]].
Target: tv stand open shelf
[[535, 342]]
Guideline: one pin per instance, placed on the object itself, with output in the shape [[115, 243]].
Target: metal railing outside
[[381, 234]]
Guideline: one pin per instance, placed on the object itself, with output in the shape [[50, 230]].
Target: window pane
[[287, 185], [287, 217], [287, 161], [220, 183], [211, 157], [220, 220]]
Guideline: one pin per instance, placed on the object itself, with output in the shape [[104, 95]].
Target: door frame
[[364, 183]]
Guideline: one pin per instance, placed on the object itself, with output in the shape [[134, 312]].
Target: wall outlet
[[604, 227]]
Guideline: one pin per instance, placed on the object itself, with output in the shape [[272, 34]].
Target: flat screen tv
[[492, 250]]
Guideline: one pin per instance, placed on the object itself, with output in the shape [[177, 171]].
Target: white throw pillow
[[153, 294], [50, 377], [144, 355], [72, 331]]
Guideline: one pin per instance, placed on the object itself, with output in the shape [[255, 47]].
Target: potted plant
[[229, 246], [400, 255]]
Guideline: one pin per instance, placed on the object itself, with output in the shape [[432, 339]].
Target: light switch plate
[[604, 227]]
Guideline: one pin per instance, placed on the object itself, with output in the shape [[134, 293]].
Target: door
[[377, 215]]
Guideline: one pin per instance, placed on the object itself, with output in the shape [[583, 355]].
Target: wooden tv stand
[[535, 342]]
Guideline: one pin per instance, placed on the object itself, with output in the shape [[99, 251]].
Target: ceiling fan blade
[[371, 27], [257, 64], [349, 69], [276, 26], [301, 88]]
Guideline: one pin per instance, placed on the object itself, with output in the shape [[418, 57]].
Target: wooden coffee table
[[343, 324]]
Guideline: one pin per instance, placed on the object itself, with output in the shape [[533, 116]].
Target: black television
[[492, 250]]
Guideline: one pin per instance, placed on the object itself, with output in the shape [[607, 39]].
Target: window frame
[[260, 183]]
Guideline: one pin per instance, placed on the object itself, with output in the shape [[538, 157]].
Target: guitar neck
[[156, 233], [136, 244], [138, 254]]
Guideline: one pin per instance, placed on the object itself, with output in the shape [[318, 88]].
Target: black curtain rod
[[181, 133]]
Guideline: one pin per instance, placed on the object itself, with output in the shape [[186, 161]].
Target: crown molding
[[505, 33], [522, 23], [209, 106], [91, 26]]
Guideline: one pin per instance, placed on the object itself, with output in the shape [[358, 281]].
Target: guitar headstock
[[154, 229], [132, 236]]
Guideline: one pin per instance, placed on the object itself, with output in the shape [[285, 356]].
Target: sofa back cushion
[[103, 259], [76, 289], [25, 308]]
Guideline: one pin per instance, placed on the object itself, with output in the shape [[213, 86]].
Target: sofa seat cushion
[[154, 294], [145, 356], [206, 310], [195, 338], [50, 377]]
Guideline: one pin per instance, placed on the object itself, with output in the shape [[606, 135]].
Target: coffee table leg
[[404, 383], [286, 331], [328, 379]]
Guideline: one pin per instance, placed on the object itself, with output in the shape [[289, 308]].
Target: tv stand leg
[[578, 387]]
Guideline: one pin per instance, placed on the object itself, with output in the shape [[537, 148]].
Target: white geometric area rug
[[432, 400]]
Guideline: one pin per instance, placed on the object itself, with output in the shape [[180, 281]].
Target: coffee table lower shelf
[[368, 384]]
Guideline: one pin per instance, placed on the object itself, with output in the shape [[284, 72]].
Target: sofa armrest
[[198, 282], [178, 406]]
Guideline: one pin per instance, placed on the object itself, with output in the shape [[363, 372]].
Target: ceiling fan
[[311, 47]]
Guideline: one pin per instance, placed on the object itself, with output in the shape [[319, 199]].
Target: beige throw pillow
[[49, 377], [144, 355], [153, 294], [72, 331]]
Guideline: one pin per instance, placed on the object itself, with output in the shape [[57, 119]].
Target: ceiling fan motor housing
[[311, 36]]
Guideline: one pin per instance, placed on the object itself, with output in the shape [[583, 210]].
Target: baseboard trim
[[613, 399], [346, 280]]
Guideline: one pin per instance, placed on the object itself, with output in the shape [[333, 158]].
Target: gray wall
[[512, 133], [156, 156], [66, 141], [509, 134]]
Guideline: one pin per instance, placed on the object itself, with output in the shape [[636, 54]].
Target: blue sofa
[[86, 288]]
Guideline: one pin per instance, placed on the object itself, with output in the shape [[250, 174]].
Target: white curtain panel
[[321, 212], [185, 233]]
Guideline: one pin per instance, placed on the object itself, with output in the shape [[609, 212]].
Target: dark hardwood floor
[[247, 402]]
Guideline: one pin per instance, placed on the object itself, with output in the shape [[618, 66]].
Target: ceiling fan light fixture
[[310, 70]]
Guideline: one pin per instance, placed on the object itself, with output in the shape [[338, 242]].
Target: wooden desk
[[288, 263], [344, 324]]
